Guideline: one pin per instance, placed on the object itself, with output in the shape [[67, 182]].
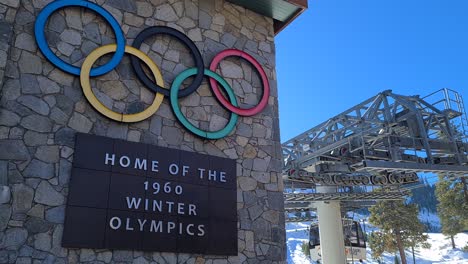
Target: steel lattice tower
[[382, 142]]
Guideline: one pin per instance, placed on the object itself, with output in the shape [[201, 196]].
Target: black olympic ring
[[197, 57]]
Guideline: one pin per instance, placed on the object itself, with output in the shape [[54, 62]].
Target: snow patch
[[440, 252]]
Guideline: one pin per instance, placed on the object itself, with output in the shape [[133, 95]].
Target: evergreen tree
[[453, 206], [399, 228], [377, 244]]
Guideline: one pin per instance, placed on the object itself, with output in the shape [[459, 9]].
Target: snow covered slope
[[440, 251]]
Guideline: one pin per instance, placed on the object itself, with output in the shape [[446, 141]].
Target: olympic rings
[[86, 71], [88, 92], [197, 57], [266, 86], [47, 52], [175, 104]]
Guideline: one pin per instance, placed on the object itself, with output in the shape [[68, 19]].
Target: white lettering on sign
[[154, 165], [140, 164], [188, 229], [180, 228], [133, 203], [161, 187], [115, 223], [170, 226], [141, 223], [201, 171], [124, 161], [213, 175], [185, 170], [161, 206], [170, 204], [110, 158], [201, 229], [145, 225], [192, 209], [180, 208], [175, 169], [222, 176], [127, 226], [156, 228]]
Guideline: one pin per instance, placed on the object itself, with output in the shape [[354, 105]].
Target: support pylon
[[330, 229]]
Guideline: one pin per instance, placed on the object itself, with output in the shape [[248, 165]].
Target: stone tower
[[42, 108]]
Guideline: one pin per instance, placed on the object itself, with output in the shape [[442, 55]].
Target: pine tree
[[453, 206], [377, 244], [399, 228]]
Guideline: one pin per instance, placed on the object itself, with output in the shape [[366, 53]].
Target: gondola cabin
[[355, 243]]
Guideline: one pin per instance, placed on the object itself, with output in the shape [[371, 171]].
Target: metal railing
[[451, 100]]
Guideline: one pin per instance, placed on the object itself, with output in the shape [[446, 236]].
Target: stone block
[[39, 169], [37, 123], [165, 12], [32, 138], [47, 195], [144, 9], [65, 136], [247, 183], [49, 154], [8, 118], [127, 5], [12, 3], [30, 63], [80, 123], [122, 255], [22, 198], [172, 135], [13, 150], [29, 84], [43, 242], [5, 214], [37, 211], [56, 214], [5, 194], [26, 42], [87, 255], [14, 238], [36, 225], [71, 36], [34, 103]]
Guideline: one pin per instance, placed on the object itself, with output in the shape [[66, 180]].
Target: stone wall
[[42, 108]]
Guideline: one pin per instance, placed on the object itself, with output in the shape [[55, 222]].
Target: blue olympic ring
[[47, 52]]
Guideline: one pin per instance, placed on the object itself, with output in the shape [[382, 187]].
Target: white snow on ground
[[440, 252], [296, 234]]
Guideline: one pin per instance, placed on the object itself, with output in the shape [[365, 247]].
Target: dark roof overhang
[[283, 12]]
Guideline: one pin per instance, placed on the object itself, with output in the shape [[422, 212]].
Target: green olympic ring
[[183, 120]]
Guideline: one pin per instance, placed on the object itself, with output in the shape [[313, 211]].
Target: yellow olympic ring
[[101, 108]]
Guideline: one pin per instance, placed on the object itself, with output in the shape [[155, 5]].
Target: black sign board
[[126, 195]]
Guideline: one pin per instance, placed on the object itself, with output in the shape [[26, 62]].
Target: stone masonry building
[[42, 108]]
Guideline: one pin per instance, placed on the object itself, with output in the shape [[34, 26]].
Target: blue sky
[[339, 53]]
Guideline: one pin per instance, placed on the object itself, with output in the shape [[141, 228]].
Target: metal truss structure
[[301, 219], [343, 196], [311, 206], [383, 142]]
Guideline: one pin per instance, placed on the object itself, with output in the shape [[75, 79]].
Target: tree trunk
[[453, 242], [414, 259], [465, 189], [401, 249]]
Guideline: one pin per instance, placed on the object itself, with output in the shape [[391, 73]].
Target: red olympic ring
[[223, 101]]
